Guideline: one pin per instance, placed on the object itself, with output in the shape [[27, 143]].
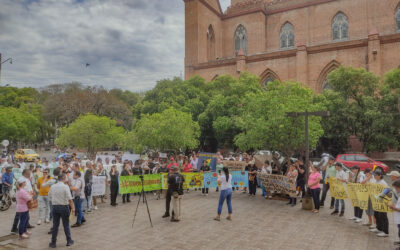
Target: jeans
[[292, 200], [358, 212], [23, 222], [337, 205], [176, 204], [382, 222], [264, 191], [44, 207], [61, 212], [87, 203], [325, 189], [315, 196], [225, 194], [78, 210]]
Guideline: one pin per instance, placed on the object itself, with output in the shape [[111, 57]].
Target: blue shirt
[[7, 178]]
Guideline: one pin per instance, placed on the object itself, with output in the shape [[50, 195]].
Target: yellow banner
[[379, 205], [337, 189], [351, 190], [192, 180], [362, 192]]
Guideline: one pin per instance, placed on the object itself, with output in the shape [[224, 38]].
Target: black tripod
[[143, 196]]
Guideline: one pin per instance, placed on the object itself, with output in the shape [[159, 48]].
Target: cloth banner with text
[[278, 183], [337, 189], [210, 158], [98, 185], [132, 183]]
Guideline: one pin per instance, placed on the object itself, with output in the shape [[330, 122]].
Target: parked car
[[26, 154], [363, 161]]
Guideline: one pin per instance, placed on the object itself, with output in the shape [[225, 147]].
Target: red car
[[363, 161]]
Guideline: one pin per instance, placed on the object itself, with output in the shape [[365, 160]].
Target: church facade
[[301, 40]]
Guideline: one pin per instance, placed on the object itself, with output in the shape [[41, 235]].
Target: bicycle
[[7, 199]]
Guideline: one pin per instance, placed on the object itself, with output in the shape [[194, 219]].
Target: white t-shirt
[[397, 214], [28, 186], [224, 184]]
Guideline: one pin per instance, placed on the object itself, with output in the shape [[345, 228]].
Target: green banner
[[133, 184]]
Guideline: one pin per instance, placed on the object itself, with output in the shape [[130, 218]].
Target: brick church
[[302, 40]]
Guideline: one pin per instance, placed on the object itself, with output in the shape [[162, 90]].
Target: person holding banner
[[205, 168], [225, 180], [342, 177], [396, 209], [356, 176], [315, 188], [369, 178], [382, 222], [127, 172], [114, 185]]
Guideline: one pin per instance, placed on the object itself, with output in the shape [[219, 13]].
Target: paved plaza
[[257, 224]]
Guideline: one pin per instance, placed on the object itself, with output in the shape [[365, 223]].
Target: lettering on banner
[[377, 204], [98, 185], [278, 183]]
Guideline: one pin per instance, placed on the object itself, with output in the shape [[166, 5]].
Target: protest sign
[[234, 165], [240, 179], [210, 180], [133, 184], [351, 190], [130, 157], [337, 189], [210, 158], [379, 205], [192, 180], [278, 183], [98, 185], [362, 193], [104, 157]]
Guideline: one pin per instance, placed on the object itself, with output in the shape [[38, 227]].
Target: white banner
[[130, 157], [99, 185]]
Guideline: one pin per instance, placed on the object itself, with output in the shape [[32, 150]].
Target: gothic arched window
[[210, 43], [326, 85], [340, 27], [270, 78], [397, 17], [287, 36], [240, 39]]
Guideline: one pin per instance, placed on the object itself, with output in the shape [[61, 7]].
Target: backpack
[[88, 190]]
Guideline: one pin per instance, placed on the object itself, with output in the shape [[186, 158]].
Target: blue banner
[[210, 158], [239, 179]]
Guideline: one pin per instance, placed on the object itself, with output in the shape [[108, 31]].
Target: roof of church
[[245, 5]]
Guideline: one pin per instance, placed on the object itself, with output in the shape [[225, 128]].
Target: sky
[[129, 44]]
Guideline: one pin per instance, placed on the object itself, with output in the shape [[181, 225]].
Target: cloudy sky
[[129, 44]]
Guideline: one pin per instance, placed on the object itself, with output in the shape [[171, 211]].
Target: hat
[[394, 173], [21, 180], [172, 159]]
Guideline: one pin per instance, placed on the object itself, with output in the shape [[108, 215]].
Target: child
[[396, 208], [342, 177]]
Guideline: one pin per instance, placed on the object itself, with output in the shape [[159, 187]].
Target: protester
[[175, 183], [356, 176], [396, 209], [300, 182], [43, 199], [292, 174], [114, 185], [101, 171], [252, 179], [186, 166], [369, 178], [225, 181], [157, 170], [126, 172], [382, 222], [342, 177], [330, 171], [61, 199], [88, 178], [205, 169], [314, 187], [78, 194], [22, 208], [195, 162]]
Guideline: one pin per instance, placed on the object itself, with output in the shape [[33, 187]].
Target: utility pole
[[1, 63], [306, 115]]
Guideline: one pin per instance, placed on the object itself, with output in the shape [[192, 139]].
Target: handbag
[[32, 204]]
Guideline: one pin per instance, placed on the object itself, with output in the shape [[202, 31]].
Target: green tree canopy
[[169, 130], [91, 133]]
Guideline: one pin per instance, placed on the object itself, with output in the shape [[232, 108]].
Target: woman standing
[[252, 179], [205, 169], [314, 186], [22, 208], [356, 176], [126, 172], [225, 180], [114, 185], [369, 178], [43, 199], [88, 189], [186, 166], [292, 175], [382, 222]]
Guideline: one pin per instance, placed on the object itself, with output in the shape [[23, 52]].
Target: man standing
[[330, 171], [175, 186], [78, 194], [60, 196]]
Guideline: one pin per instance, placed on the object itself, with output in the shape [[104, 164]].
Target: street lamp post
[[306, 115], [7, 60]]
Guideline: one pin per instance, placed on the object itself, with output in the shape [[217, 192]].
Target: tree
[[359, 109], [169, 130], [264, 122], [91, 133]]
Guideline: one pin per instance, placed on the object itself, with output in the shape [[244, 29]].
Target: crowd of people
[[62, 187]]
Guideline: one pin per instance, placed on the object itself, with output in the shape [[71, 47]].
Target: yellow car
[[26, 154]]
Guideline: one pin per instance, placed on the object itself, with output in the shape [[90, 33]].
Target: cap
[[21, 180], [394, 173]]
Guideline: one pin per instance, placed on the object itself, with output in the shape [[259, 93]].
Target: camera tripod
[[143, 196]]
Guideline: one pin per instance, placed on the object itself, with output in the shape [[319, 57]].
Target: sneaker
[[353, 218], [334, 212], [341, 214], [95, 207], [217, 218], [23, 236], [52, 245], [70, 243], [14, 231], [358, 220], [76, 225], [39, 222], [30, 226], [165, 216], [372, 226], [374, 230], [366, 224], [47, 221], [382, 234]]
